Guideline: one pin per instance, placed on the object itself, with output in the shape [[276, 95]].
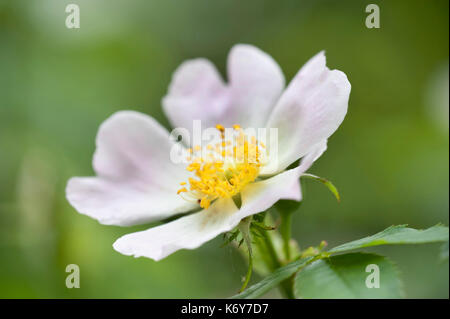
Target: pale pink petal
[[187, 232], [197, 91], [122, 203], [137, 181], [309, 159], [310, 110], [256, 83], [191, 231], [260, 196]]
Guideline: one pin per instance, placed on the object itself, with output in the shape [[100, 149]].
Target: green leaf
[[351, 275], [272, 280], [327, 183], [392, 235], [397, 235]]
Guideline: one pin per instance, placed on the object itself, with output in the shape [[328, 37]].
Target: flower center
[[223, 167]]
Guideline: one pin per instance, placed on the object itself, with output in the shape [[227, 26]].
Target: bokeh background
[[389, 159]]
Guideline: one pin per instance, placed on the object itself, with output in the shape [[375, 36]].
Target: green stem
[[244, 226], [286, 285], [285, 229], [271, 251], [249, 271]]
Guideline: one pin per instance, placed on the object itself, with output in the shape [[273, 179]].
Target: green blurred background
[[389, 159]]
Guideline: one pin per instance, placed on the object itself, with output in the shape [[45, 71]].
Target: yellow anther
[[225, 169], [220, 128], [205, 203], [193, 166]]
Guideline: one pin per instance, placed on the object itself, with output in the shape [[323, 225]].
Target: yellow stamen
[[223, 169]]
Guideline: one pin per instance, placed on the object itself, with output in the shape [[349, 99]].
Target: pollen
[[223, 168]]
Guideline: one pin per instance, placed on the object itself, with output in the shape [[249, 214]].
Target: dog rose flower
[[137, 182]]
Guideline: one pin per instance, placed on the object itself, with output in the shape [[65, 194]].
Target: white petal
[[187, 232], [260, 196], [310, 110], [122, 203], [196, 92], [313, 155], [137, 181], [191, 231], [256, 83]]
